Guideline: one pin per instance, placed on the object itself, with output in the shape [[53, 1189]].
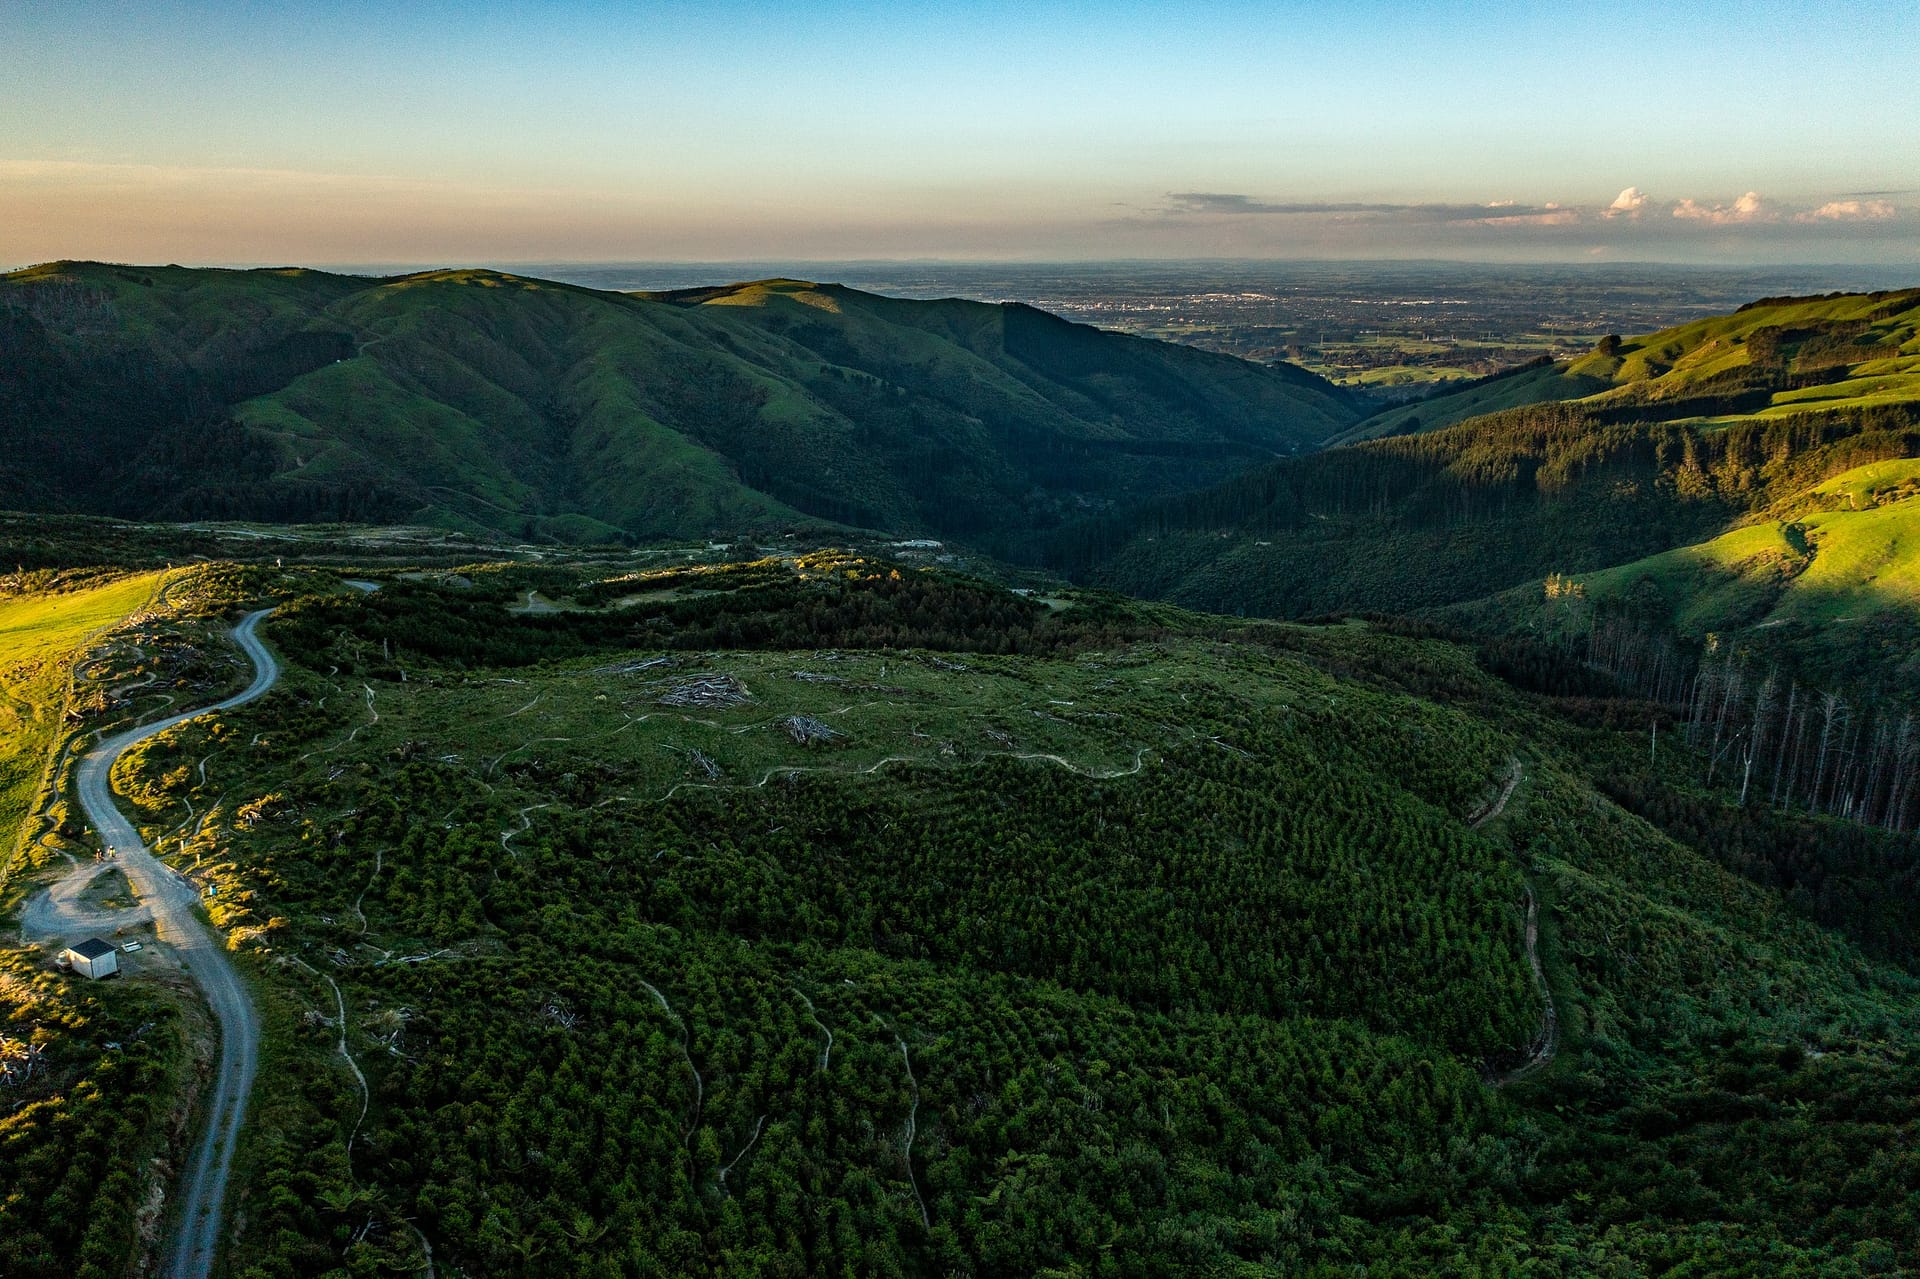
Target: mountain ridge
[[483, 400]]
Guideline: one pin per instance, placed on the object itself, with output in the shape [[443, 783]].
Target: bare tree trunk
[[1850, 762], [1903, 771], [1830, 706], [1797, 770], [1729, 678], [1875, 770], [1780, 751]]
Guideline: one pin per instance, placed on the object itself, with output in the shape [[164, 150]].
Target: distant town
[[1390, 329]]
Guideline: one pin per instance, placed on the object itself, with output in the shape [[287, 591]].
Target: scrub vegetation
[[895, 923]]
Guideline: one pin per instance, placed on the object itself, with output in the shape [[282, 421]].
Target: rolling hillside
[[471, 399], [1773, 357], [845, 917], [1731, 426], [1829, 580]]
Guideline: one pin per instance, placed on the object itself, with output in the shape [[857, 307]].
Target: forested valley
[[1511, 871]]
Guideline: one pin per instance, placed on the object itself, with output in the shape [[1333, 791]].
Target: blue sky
[[350, 132]]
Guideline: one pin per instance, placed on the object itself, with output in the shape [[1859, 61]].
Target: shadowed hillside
[[476, 400]]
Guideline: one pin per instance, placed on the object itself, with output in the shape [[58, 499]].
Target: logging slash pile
[[708, 691], [808, 731]]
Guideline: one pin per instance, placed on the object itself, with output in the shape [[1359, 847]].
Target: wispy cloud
[[1549, 214], [1748, 208], [1628, 213], [1221, 203]]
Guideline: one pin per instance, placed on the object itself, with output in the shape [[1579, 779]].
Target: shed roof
[[92, 948]]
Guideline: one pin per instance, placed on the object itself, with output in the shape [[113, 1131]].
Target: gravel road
[[170, 899]]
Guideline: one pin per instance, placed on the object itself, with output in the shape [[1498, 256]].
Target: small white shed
[[93, 958]]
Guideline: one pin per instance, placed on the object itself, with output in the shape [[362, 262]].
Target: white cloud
[[1627, 204], [1849, 211], [1550, 214], [1748, 208]]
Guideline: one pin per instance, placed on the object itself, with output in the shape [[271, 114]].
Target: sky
[[488, 133]]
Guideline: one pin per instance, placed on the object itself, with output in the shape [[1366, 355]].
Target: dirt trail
[[526, 824], [913, 1129], [826, 1052], [759, 1126], [686, 1051], [1499, 805], [366, 1093], [1547, 1042]]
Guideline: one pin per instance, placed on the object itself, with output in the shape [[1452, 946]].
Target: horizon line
[[378, 269]]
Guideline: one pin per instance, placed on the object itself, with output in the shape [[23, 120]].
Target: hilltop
[[494, 403]]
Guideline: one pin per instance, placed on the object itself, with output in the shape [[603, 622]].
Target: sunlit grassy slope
[[1832, 567], [84, 1130], [1856, 349], [1834, 580], [41, 634], [1832, 563], [478, 400]]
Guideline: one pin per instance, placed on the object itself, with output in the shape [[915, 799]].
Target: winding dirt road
[[169, 900]]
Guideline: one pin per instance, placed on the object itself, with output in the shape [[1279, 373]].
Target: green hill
[[1828, 580], [1711, 428], [1535, 385], [1774, 357], [476, 400]]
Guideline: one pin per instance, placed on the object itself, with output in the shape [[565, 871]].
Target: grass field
[[41, 635], [86, 1130], [1832, 583], [1865, 487], [1839, 565]]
